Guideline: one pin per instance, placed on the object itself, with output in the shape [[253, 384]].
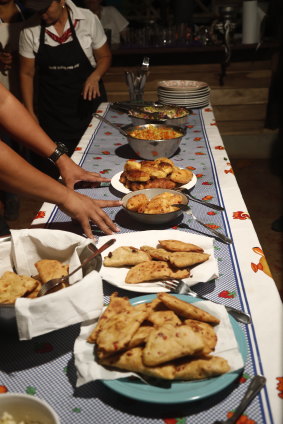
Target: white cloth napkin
[[74, 304], [89, 370]]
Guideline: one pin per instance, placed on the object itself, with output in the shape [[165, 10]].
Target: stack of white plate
[[192, 94]]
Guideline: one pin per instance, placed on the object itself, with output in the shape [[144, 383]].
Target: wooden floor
[[262, 192]]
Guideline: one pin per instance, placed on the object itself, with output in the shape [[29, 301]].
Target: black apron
[[62, 72]]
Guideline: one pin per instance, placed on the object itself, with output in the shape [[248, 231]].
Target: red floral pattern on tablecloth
[[262, 265], [241, 215], [279, 386], [226, 294], [40, 214]]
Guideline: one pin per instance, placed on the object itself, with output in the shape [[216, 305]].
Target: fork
[[255, 386], [202, 202], [180, 287], [188, 211], [51, 284]]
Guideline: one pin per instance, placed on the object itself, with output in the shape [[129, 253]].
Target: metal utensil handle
[[103, 247], [239, 315], [101, 118], [209, 205], [256, 384], [217, 233]]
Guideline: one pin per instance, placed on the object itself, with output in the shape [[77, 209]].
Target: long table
[[44, 366]]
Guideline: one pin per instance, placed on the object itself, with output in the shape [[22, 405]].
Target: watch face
[[62, 147]]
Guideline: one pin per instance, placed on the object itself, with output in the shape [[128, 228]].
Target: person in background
[[110, 18], [20, 177], [65, 52], [12, 18]]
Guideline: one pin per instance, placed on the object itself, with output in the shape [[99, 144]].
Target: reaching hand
[[71, 173], [86, 210], [91, 88]]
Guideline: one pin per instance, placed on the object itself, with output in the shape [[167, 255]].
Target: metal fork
[[202, 202], [180, 287], [188, 211]]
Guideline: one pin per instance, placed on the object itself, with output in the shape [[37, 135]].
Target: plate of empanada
[[193, 349], [141, 261], [160, 173]]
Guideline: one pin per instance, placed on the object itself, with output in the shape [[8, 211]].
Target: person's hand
[[86, 210], [91, 87], [72, 173]]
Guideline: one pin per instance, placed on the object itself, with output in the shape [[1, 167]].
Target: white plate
[[200, 273], [180, 85], [120, 187]]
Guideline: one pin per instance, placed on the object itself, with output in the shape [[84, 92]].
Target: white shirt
[[89, 31], [112, 19]]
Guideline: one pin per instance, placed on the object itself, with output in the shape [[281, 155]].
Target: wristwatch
[[60, 150]]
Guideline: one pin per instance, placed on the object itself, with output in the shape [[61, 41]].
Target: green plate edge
[[179, 392]]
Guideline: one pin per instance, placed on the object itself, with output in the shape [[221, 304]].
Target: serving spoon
[[256, 384], [51, 284]]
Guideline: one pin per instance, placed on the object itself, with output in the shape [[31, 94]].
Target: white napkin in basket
[[81, 301]]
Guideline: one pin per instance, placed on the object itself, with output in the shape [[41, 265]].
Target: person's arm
[[18, 176], [103, 57], [27, 72], [17, 121]]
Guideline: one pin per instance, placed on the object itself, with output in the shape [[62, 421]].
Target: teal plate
[[179, 392]]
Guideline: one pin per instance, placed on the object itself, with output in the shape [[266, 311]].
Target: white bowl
[[27, 408], [153, 219]]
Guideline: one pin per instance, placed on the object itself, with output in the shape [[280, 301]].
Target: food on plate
[[125, 256], [132, 360], [169, 342], [118, 330], [156, 253], [185, 259], [179, 246], [197, 369], [152, 132], [136, 202], [186, 310], [156, 263], [155, 340], [180, 176], [116, 305], [51, 268], [207, 332], [161, 112], [159, 204], [154, 270], [13, 285], [158, 173]]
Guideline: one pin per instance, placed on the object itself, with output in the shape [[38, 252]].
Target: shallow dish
[[115, 183], [167, 120], [152, 149], [203, 272], [179, 391], [27, 408], [153, 219]]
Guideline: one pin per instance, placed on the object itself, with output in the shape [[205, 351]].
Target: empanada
[[196, 369], [51, 268], [179, 246], [185, 309], [207, 331], [170, 342], [125, 256], [186, 259], [131, 360], [153, 270]]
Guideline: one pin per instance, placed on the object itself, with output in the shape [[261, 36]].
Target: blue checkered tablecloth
[[44, 366]]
